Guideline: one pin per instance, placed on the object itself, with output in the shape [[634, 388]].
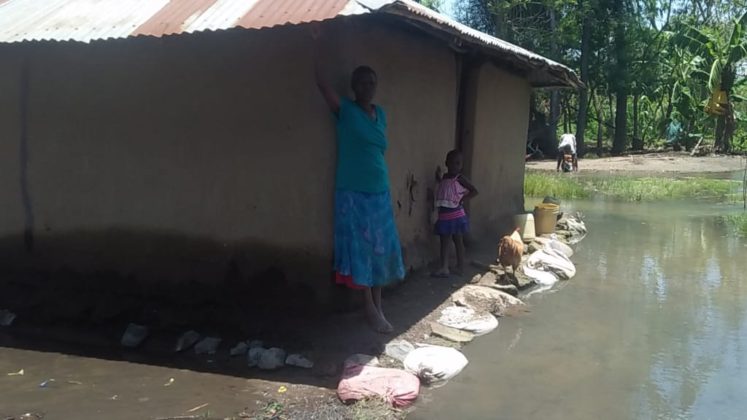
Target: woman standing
[[368, 254]]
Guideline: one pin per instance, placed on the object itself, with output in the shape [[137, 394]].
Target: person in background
[[567, 146]]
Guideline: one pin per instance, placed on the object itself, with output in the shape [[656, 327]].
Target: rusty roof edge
[[566, 78]]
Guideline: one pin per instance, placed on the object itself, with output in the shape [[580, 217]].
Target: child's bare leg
[[444, 268], [459, 245]]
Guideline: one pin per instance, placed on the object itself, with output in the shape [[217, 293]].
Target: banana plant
[[720, 59]]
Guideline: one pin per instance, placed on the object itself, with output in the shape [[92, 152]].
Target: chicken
[[510, 250]]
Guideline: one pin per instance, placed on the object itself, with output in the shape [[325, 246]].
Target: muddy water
[[92, 388], [654, 326]]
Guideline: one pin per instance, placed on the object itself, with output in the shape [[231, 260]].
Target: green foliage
[[738, 222], [432, 4], [673, 57]]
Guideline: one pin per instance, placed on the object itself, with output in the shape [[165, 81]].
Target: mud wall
[[170, 159], [208, 158]]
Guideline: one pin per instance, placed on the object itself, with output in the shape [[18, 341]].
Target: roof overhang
[[30, 21]]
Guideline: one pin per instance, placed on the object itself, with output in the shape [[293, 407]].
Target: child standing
[[453, 190]]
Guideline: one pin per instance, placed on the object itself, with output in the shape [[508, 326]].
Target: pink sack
[[396, 387]]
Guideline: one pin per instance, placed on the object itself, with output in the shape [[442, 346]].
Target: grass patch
[[541, 184], [628, 188], [374, 409], [325, 409], [738, 222]]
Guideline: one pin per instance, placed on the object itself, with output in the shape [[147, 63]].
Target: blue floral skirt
[[367, 248]]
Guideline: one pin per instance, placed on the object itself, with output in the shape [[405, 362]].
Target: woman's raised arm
[[329, 94]]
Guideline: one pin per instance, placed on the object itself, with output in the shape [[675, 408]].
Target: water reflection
[[653, 326]]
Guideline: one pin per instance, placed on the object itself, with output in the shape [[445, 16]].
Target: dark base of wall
[[102, 298], [161, 279], [169, 281]]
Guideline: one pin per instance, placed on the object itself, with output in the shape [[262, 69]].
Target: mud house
[[174, 141]]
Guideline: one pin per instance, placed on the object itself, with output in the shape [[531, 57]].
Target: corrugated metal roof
[[91, 20]]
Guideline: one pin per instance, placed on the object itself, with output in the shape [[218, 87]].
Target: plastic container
[[526, 224], [545, 218]]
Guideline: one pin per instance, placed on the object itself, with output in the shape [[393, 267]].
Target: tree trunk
[[583, 97], [554, 95], [637, 142], [670, 100], [668, 114], [600, 123], [730, 125], [621, 86], [500, 20], [619, 144], [726, 124], [554, 113], [718, 145]]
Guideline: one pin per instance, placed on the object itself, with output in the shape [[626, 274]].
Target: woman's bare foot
[[377, 321], [387, 325], [374, 314]]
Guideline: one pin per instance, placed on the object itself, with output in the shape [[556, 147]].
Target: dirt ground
[[670, 162]]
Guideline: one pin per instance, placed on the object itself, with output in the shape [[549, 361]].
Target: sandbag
[[435, 364], [560, 247], [540, 277], [467, 319], [574, 225], [398, 349], [549, 265], [395, 386]]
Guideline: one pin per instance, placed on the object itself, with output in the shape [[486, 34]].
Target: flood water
[[63, 386], [653, 326]]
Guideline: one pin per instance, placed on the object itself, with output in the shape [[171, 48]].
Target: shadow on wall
[[164, 279]]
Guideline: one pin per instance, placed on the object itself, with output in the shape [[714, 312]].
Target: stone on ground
[[362, 359], [208, 345], [298, 361], [450, 333], [134, 335], [187, 340], [239, 349], [484, 299], [254, 355], [6, 318], [272, 359]]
